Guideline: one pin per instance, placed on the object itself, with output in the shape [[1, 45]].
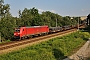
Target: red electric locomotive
[[23, 32]]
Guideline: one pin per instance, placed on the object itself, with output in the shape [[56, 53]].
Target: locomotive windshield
[[17, 30]]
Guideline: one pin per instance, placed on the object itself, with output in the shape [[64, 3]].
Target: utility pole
[[78, 23], [0, 36], [56, 22], [88, 22], [0, 21], [0, 32]]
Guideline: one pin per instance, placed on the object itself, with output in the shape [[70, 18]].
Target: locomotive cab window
[[17, 30]]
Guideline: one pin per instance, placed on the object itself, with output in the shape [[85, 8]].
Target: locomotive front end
[[17, 33]]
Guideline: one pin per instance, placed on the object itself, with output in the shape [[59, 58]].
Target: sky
[[61, 7]]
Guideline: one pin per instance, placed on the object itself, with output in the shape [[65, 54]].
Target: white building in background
[[83, 17]]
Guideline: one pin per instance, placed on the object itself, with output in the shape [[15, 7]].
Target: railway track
[[28, 41]]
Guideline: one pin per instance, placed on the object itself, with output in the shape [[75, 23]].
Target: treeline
[[29, 17]]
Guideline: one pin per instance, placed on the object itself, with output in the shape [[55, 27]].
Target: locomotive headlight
[[14, 33], [18, 33]]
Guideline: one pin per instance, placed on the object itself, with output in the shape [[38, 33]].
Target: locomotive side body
[[37, 30]]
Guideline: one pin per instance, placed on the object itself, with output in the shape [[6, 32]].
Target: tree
[[34, 11], [27, 16], [88, 19], [19, 12], [7, 23], [4, 9], [1, 6]]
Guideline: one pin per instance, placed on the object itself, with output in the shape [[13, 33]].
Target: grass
[[5, 41], [54, 49]]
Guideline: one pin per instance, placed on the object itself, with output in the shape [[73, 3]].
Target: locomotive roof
[[35, 26], [30, 27]]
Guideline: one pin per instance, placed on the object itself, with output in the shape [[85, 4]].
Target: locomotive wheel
[[22, 38], [31, 36]]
